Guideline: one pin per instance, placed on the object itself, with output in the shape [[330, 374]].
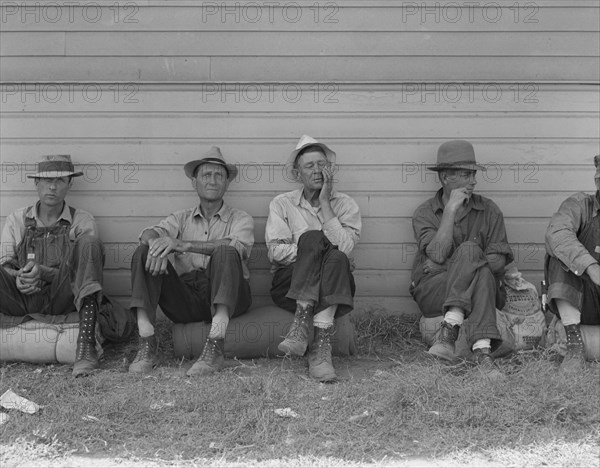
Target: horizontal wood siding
[[134, 91]]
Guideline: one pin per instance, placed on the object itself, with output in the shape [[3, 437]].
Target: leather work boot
[[445, 338], [211, 360], [485, 364], [296, 340], [86, 356], [147, 356], [319, 357], [574, 360]]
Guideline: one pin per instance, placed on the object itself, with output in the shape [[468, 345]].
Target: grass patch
[[392, 407]]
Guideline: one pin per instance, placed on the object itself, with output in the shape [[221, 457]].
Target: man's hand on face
[[325, 194], [29, 278], [458, 198], [593, 271]]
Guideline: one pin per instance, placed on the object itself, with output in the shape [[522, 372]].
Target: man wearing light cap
[[573, 268], [310, 235], [208, 278], [462, 252], [52, 263]]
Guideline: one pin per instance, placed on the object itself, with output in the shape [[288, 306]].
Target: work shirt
[[566, 225], [291, 215], [481, 222], [190, 225], [82, 223]]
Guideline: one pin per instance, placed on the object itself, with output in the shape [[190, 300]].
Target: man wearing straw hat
[[208, 279], [462, 252], [310, 235], [52, 262], [573, 268]]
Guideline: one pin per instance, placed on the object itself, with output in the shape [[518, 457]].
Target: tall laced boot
[[485, 364], [146, 357], [574, 361], [86, 356], [320, 366], [296, 340], [444, 344], [211, 360]]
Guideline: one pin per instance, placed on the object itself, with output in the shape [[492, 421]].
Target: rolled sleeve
[[84, 225], [561, 235], [344, 230], [278, 236], [241, 235]]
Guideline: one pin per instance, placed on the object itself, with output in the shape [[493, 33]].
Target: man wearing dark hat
[[310, 235], [462, 251], [208, 278], [573, 268], [52, 259]]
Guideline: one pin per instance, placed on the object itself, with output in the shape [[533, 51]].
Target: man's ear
[[295, 173], [194, 182]]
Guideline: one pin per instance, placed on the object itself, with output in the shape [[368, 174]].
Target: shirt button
[[205, 232]]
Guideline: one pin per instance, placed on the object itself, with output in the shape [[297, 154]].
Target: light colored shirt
[[190, 225], [82, 223], [291, 215], [566, 225]]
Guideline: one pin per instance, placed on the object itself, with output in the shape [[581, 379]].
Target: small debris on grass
[[10, 400], [161, 405], [358, 417], [89, 417], [38, 370], [215, 446], [286, 413]]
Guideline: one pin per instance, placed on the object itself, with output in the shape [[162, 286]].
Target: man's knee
[[310, 239], [140, 254], [225, 254], [89, 248]]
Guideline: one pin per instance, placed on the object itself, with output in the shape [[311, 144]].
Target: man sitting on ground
[[208, 280], [573, 268], [310, 234], [52, 262], [462, 251]]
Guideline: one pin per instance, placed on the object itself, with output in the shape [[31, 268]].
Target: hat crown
[[455, 152], [212, 156], [305, 140], [56, 158]]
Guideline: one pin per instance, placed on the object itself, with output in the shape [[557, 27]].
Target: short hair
[[309, 149]]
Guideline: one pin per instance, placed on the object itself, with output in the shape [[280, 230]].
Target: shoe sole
[[444, 357]]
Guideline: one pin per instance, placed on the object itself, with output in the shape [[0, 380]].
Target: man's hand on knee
[[29, 279], [156, 265]]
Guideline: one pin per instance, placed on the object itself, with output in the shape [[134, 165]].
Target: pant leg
[[429, 293], [227, 283], [306, 275], [579, 291], [282, 279], [183, 299], [87, 262], [12, 302], [337, 283]]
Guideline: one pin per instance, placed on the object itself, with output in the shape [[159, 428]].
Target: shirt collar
[[224, 213], [65, 214], [475, 202]]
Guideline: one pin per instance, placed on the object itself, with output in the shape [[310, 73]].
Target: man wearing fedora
[[573, 268], [52, 261], [310, 235], [208, 278], [462, 251]]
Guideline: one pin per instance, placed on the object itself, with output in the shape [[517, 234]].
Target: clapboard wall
[[133, 92]]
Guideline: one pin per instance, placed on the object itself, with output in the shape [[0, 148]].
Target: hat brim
[[329, 154], [467, 167], [191, 167], [53, 174]]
